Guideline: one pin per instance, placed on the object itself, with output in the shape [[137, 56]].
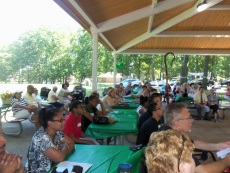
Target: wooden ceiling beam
[[139, 14], [178, 51], [219, 7], [171, 22], [151, 17], [193, 34]]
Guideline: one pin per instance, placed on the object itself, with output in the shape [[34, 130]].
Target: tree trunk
[[184, 70], [205, 79], [153, 75], [139, 67]]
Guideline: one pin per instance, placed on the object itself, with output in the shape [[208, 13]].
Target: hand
[[10, 162]]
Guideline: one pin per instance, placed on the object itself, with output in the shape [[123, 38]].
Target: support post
[[94, 63], [114, 68]]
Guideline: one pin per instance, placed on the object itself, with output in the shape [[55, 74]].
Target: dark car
[[225, 82]]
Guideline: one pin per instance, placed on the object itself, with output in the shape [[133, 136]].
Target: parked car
[[225, 82], [200, 80], [154, 83], [134, 82], [174, 81], [162, 82]]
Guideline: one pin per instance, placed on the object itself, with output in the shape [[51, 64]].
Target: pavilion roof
[[155, 26]]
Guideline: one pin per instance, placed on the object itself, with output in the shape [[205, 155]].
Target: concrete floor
[[201, 130]]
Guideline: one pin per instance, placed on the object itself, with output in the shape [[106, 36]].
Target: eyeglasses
[[61, 120], [190, 119], [184, 139]]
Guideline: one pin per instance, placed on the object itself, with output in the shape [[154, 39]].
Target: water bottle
[[125, 168]]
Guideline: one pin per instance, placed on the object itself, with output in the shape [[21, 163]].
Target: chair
[[44, 93], [203, 154]]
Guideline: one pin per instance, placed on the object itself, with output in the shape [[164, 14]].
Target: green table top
[[126, 123], [129, 97], [129, 106], [183, 99], [106, 158], [136, 90]]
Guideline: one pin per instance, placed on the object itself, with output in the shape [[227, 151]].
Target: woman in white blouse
[[110, 99]]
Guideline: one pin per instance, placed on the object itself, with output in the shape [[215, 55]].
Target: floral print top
[[41, 141]]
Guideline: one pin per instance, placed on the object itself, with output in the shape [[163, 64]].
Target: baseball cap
[[18, 91]]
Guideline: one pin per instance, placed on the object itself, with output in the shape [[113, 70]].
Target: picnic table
[[126, 124], [105, 158], [126, 106]]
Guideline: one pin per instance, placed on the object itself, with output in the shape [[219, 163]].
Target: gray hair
[[54, 87], [171, 112]]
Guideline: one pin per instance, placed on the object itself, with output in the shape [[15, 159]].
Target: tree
[[184, 70]]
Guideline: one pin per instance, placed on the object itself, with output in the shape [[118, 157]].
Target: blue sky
[[19, 16]]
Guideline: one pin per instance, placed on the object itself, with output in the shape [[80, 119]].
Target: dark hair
[[143, 100], [154, 95], [75, 104], [63, 85], [67, 84], [47, 114], [201, 87], [151, 107], [91, 97]]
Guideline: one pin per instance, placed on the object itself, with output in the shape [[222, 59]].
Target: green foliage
[[52, 56]]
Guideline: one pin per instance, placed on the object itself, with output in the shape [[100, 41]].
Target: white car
[[134, 82]]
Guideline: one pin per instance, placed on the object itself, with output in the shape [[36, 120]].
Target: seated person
[[91, 103], [156, 98], [151, 125], [39, 99], [178, 92], [144, 92], [213, 104], [10, 163], [200, 102], [53, 99], [193, 90], [31, 100], [63, 95], [73, 127], [49, 144], [143, 104], [169, 152], [177, 117], [110, 100], [120, 91], [53, 96], [227, 94], [128, 88], [185, 89], [20, 107]]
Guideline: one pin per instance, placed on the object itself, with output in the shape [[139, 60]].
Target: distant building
[[108, 78]]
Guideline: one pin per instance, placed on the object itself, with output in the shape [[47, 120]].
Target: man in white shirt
[[200, 102], [31, 99]]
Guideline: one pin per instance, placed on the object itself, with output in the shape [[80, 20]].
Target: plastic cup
[[125, 168]]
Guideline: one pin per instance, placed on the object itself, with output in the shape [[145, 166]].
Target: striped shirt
[[15, 102]]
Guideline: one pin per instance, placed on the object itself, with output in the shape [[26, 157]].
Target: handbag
[[100, 120]]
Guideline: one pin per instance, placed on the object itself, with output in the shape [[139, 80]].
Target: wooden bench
[[18, 122]]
